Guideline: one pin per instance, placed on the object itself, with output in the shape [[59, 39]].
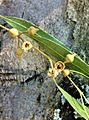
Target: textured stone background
[[36, 99]]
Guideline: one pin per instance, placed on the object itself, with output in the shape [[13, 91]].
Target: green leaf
[[74, 103], [52, 46]]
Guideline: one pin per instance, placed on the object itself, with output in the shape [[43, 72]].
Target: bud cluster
[[59, 66]]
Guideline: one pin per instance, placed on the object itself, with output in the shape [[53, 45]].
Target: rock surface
[[37, 98]]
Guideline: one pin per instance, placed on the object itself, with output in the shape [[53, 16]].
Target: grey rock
[[78, 15], [12, 7]]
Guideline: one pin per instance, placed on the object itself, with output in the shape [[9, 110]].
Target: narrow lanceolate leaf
[[51, 45], [74, 103]]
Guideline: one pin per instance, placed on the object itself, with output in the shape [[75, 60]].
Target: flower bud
[[13, 32], [59, 66], [32, 30], [52, 72], [19, 52], [70, 58], [66, 72]]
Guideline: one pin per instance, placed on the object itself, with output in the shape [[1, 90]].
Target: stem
[[56, 83], [85, 99], [50, 60], [22, 33], [18, 43], [65, 62], [79, 73], [21, 38], [75, 86], [84, 107], [5, 28]]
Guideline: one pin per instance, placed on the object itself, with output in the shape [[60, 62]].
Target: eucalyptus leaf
[[52, 46], [74, 103]]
